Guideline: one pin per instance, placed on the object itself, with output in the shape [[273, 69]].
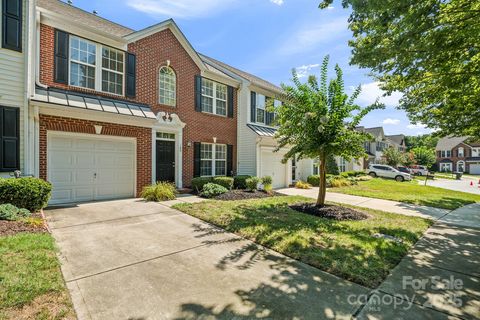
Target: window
[[316, 167], [294, 169], [475, 152], [82, 63], [168, 87], [9, 139], [446, 153], [90, 70], [261, 102], [165, 136], [213, 159], [445, 167], [112, 70], [460, 152], [461, 166], [342, 165], [214, 97], [366, 146]]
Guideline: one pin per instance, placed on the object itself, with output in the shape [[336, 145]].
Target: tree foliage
[[429, 50], [331, 165], [428, 141], [393, 157], [424, 156], [318, 120]]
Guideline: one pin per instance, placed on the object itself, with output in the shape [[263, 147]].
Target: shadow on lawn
[[298, 290], [290, 290]]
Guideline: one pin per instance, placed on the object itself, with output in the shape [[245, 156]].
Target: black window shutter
[[198, 93], [9, 139], [12, 24], [229, 160], [131, 78], [253, 107], [230, 101], [196, 159], [61, 56]]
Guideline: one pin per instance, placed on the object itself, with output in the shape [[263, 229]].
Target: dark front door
[[165, 160]]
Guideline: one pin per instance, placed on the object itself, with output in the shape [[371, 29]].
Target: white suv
[[384, 171]]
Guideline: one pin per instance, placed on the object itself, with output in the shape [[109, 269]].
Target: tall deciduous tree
[[429, 50], [393, 157], [318, 120], [424, 156]]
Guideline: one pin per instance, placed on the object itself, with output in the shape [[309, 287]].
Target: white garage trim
[[474, 168], [132, 141]]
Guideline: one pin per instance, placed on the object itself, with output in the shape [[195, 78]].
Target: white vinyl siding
[[12, 83]]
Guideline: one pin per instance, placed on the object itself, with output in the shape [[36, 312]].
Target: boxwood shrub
[[314, 180], [199, 182], [252, 183], [211, 190], [240, 182], [32, 194], [226, 182]]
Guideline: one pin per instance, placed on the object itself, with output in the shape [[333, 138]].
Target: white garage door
[[474, 168], [86, 167], [271, 165]]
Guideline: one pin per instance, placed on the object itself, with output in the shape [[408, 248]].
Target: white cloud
[[311, 35], [330, 7], [304, 70], [416, 126], [370, 93], [277, 2], [391, 121], [182, 9]]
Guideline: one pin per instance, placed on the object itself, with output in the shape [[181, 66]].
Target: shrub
[[267, 184], [198, 183], [161, 191], [348, 174], [338, 182], [226, 182], [314, 180], [32, 194], [302, 185], [240, 182], [10, 212], [211, 190], [252, 183]]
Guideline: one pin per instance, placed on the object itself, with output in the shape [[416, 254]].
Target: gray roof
[[91, 102], [262, 131], [78, 15], [376, 132], [245, 75], [447, 143], [398, 138]]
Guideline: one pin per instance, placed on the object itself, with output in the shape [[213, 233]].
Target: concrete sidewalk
[[439, 278], [371, 203]]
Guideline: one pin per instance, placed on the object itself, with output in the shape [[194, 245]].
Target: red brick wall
[[153, 52], [143, 136]]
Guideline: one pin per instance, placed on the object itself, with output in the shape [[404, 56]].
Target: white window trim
[[462, 154], [461, 162], [443, 165], [110, 70], [444, 153], [342, 164], [214, 158], [214, 98], [175, 89], [98, 66], [475, 152]]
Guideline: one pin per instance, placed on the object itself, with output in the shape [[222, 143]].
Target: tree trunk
[[322, 190]]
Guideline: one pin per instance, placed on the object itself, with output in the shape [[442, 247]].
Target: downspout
[[37, 53]]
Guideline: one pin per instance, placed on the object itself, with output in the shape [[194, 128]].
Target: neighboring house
[[397, 141], [116, 109], [459, 154], [14, 67], [380, 142]]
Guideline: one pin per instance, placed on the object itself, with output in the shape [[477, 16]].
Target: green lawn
[[410, 192], [31, 284], [344, 248]]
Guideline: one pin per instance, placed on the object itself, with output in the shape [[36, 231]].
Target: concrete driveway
[[129, 259]]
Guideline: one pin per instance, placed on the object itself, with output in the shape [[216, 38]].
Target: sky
[[267, 38]]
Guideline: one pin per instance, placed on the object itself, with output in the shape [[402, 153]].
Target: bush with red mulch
[[33, 224]]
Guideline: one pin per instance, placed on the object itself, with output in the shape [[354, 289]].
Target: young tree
[[318, 120], [429, 50], [393, 157], [424, 156]]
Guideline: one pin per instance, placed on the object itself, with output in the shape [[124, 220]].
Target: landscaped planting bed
[[244, 194], [349, 249]]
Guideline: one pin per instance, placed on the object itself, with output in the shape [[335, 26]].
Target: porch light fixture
[[214, 139], [189, 144], [168, 63]]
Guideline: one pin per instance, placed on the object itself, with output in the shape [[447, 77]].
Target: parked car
[[384, 171], [404, 169], [419, 170]]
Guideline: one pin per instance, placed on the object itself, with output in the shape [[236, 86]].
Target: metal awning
[[262, 131], [92, 102]]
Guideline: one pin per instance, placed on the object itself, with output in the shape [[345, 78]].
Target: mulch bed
[[244, 195], [9, 228], [330, 212]]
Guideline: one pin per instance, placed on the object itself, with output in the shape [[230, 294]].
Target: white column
[[154, 158]]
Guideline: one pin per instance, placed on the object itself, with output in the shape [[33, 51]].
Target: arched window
[[167, 86]]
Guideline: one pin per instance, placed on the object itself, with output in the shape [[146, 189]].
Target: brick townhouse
[[114, 109], [458, 154]]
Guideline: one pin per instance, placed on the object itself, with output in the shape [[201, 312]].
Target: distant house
[[380, 142], [459, 154]]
